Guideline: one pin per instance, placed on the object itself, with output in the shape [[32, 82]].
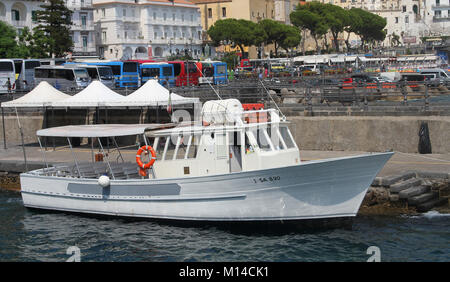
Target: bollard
[[427, 102], [404, 93]]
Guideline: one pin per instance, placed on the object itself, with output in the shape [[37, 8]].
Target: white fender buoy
[[104, 181]]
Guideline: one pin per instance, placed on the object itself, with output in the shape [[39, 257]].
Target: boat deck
[[122, 170]]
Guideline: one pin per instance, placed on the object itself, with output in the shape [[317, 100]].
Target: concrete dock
[[12, 160]]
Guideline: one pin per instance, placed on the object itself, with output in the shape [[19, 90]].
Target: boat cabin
[[225, 141]]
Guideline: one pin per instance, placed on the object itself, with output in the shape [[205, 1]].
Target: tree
[[8, 44], [280, 35], [337, 19], [239, 32], [309, 17], [55, 22], [371, 26], [291, 37], [354, 24]]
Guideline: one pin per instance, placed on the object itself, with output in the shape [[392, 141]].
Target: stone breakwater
[[408, 193]]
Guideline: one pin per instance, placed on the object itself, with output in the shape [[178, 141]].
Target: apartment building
[[22, 14], [143, 29], [253, 10], [409, 19]]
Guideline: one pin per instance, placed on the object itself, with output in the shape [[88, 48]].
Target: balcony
[[440, 6], [85, 27], [19, 23], [440, 19], [86, 4]]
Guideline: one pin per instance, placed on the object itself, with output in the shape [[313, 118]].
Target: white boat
[[235, 166]]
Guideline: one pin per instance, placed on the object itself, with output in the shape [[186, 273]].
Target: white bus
[[64, 79], [103, 74], [25, 73], [7, 70]]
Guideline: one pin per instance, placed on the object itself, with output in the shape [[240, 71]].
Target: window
[[159, 146], [192, 18], [224, 12], [437, 13], [34, 16], [84, 20], [396, 19], [438, 2], [104, 35], [15, 15], [155, 35], [192, 150], [124, 12], [182, 18], [103, 13], [406, 19], [130, 67], [165, 16], [154, 15], [167, 71], [209, 13], [173, 17], [404, 9], [286, 135], [85, 41], [260, 135], [150, 72]]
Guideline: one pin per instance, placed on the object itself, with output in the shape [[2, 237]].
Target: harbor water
[[30, 235]]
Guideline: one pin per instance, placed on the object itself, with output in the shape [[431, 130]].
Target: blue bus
[[164, 72], [126, 74], [214, 72]]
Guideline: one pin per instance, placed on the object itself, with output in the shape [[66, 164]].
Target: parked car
[[441, 77]]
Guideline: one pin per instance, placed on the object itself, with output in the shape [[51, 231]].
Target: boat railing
[[122, 170]]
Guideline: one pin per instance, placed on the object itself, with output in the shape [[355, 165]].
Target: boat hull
[[321, 189]]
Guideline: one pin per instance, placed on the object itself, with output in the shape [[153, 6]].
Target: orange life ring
[[143, 167]]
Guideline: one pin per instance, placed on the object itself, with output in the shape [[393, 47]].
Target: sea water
[[30, 235]]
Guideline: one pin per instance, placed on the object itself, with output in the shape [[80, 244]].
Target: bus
[[103, 74], [25, 73], [53, 62], [163, 71], [214, 72], [7, 70], [182, 76], [63, 78], [246, 65], [126, 74]]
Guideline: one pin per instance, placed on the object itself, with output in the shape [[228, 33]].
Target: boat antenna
[[283, 117], [209, 83]]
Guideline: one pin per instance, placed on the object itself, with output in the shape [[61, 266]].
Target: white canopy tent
[[151, 94], [41, 96], [95, 95]]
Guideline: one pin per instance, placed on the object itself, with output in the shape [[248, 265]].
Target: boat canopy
[[101, 130]]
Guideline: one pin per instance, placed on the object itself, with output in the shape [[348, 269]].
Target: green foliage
[[240, 32], [320, 18], [55, 22], [180, 57], [310, 16], [370, 27], [230, 58], [280, 35], [8, 44], [337, 20]]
